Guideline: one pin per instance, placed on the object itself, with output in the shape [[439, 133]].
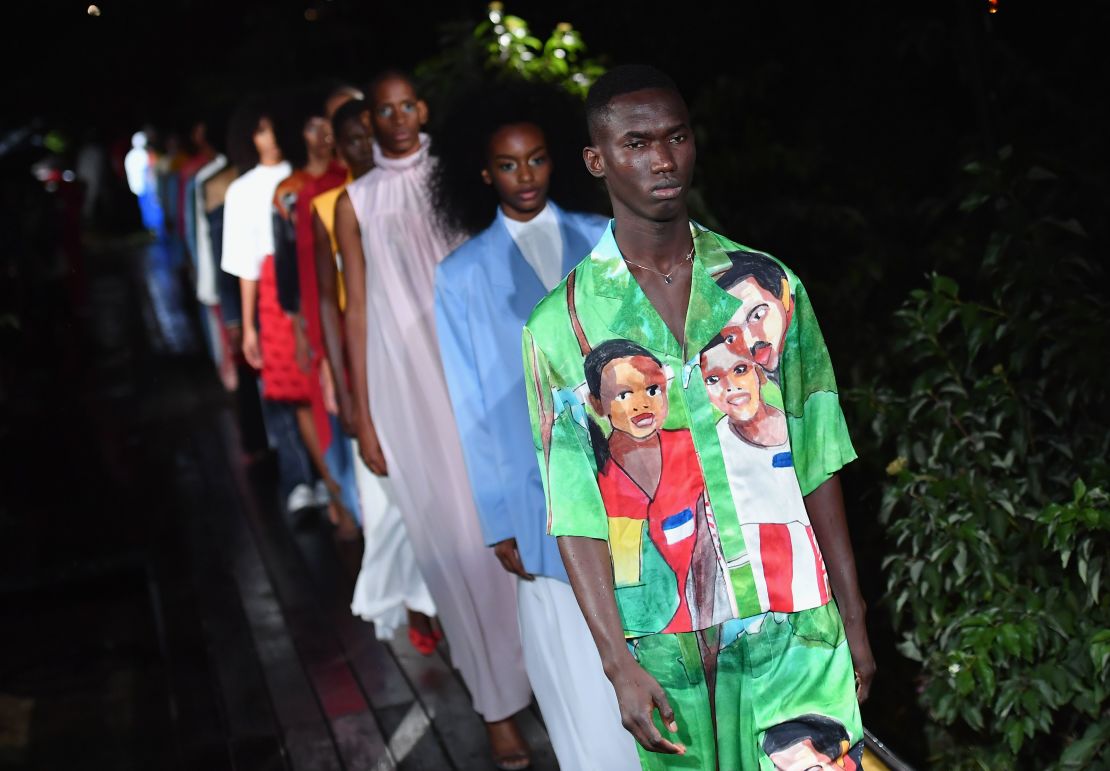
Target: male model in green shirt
[[688, 430]]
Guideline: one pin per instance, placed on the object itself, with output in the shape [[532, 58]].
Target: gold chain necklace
[[666, 276]]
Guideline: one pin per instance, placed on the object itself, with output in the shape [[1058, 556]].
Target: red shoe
[[425, 644]]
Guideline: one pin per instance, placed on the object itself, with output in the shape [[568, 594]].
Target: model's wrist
[[615, 662], [852, 610]]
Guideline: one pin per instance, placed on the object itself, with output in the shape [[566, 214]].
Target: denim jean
[[341, 464], [294, 467]]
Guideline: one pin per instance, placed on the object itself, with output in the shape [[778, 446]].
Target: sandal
[[425, 644], [517, 759]]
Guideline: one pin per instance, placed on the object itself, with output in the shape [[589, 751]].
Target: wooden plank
[[333, 683], [413, 744], [306, 734], [253, 735]]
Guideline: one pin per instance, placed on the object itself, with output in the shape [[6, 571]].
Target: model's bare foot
[[510, 751]]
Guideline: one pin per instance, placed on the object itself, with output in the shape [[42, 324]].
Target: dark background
[[829, 134]]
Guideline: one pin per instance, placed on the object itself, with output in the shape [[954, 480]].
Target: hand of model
[[302, 350], [346, 410], [234, 336], [855, 629], [509, 555], [251, 350], [370, 450], [639, 695]]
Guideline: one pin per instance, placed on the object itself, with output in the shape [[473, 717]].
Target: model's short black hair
[[766, 272], [618, 81], [335, 89], [826, 734], [389, 73], [348, 111]]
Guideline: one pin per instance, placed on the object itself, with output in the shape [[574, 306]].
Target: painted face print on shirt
[[691, 460], [758, 328]]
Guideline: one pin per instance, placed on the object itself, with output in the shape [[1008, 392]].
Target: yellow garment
[[625, 536], [324, 206]]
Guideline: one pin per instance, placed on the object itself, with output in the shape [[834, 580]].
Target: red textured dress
[[282, 379]]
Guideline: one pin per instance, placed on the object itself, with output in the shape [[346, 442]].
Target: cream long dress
[[474, 596]]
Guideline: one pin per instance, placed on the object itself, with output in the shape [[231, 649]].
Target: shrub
[[996, 501]]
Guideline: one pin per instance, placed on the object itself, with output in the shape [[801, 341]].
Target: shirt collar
[[547, 214], [629, 314], [398, 164]]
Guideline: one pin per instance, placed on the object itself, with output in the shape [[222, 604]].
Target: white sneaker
[[323, 497], [300, 499]]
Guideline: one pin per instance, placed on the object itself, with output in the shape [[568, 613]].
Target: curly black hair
[[462, 201]]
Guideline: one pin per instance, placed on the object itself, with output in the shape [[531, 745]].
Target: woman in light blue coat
[[499, 161]]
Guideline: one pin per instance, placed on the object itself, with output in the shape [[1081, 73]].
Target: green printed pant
[[785, 694]]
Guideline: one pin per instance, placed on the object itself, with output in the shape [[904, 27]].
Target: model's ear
[[595, 403], [422, 111], [787, 301], [486, 177], [595, 164]]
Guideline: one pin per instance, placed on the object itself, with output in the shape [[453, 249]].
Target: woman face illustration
[[634, 395], [732, 381], [759, 327]]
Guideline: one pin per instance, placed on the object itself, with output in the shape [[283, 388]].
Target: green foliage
[[510, 46], [502, 45], [997, 501]]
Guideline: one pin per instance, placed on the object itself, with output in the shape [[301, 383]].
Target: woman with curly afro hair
[[506, 148]]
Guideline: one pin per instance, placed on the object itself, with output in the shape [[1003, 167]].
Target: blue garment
[[341, 463], [191, 219], [227, 285], [485, 291], [294, 467]]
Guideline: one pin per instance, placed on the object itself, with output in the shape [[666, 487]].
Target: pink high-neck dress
[[409, 401]]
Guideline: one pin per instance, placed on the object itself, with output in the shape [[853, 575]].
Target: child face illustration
[[634, 396], [803, 756], [758, 328], [732, 381]]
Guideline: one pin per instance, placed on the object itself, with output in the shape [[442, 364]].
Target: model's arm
[[576, 515], [349, 238], [477, 427], [825, 506], [331, 320], [248, 293], [638, 694]]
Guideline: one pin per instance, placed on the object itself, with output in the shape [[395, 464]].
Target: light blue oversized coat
[[485, 291]]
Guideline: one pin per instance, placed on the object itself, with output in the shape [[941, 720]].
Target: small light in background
[[992, 6], [94, 10], [311, 14], [68, 176]]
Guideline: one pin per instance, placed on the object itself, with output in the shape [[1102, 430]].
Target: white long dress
[[474, 596]]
